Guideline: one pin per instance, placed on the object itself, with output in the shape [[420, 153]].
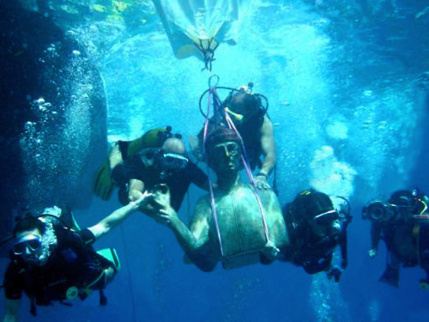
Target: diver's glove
[[103, 184], [335, 273]]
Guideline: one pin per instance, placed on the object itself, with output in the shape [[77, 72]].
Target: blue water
[[342, 79]]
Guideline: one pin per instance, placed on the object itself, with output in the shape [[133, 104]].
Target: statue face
[[226, 157]]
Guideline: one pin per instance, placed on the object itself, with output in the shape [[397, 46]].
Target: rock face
[[53, 115]]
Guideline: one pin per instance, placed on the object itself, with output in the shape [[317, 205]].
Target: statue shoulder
[[203, 203]]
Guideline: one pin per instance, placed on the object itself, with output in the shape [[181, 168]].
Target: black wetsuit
[[177, 181], [313, 253], [400, 237], [73, 262]]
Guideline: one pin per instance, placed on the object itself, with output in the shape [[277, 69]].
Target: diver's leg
[[391, 274]]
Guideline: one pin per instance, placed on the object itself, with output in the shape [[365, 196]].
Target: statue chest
[[241, 226]]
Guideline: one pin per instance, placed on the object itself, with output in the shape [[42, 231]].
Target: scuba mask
[[27, 245], [29, 248], [329, 220], [326, 217], [172, 161], [33, 249]]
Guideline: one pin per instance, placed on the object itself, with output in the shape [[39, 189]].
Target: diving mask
[[27, 245], [326, 217], [173, 161]]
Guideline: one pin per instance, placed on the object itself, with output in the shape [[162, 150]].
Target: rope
[[208, 53], [212, 199], [217, 106]]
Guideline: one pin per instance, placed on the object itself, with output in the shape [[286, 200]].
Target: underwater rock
[[53, 115]]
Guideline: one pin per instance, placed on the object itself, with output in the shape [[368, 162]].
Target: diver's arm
[[268, 147], [195, 241], [118, 216], [11, 310]]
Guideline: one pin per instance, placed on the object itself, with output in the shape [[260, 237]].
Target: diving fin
[[390, 276], [134, 147], [111, 255], [151, 139], [103, 184]]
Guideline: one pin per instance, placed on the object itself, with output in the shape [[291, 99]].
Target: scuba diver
[[52, 260], [235, 223], [315, 230], [103, 184], [158, 157], [245, 112], [402, 222]]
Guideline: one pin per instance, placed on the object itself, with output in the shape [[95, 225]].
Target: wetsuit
[[178, 181], [407, 244], [72, 263], [314, 253]]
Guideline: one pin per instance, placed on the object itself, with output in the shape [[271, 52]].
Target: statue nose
[[227, 152]]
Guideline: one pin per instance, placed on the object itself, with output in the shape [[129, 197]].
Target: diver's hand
[[141, 199], [372, 253], [166, 216], [261, 182], [162, 197]]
